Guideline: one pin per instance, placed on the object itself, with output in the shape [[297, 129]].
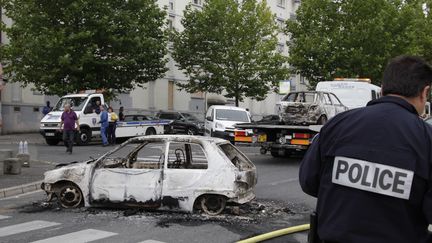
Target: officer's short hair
[[406, 76]]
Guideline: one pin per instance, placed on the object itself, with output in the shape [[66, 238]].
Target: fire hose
[[276, 233]]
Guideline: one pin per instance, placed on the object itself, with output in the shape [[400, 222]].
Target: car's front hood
[[53, 116], [73, 171]]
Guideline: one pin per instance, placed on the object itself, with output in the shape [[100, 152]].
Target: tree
[[349, 38], [229, 47], [65, 46]]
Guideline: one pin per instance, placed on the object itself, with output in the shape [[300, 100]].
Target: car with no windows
[[181, 173], [309, 107]]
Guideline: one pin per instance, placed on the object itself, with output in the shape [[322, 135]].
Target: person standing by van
[[112, 124], [104, 125], [67, 125]]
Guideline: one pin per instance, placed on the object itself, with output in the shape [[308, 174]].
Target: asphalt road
[[280, 203]]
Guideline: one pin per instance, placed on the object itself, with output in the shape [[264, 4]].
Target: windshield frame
[[59, 106]]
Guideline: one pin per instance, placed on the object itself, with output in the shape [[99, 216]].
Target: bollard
[[25, 148], [12, 166], [21, 147], [5, 153]]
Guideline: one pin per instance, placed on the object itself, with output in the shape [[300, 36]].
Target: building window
[[171, 6], [302, 80], [281, 3], [171, 22], [35, 109], [197, 2], [171, 95], [280, 47]]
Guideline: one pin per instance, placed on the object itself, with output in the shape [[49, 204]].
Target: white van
[[353, 93], [220, 121]]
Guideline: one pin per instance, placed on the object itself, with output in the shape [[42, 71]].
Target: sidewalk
[[31, 138], [30, 177]]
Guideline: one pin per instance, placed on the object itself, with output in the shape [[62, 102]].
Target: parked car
[[309, 107], [181, 173], [183, 123], [220, 121]]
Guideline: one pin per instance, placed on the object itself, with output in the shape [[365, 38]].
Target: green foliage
[[229, 47], [351, 38], [65, 46]]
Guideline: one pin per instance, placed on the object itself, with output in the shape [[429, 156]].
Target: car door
[[208, 122], [328, 106], [185, 175], [137, 180]]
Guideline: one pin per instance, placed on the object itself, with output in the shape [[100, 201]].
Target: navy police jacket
[[371, 171]]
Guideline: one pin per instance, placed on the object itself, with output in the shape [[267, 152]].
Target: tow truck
[[85, 105], [280, 140]]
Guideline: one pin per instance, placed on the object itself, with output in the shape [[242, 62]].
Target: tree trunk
[[236, 100]]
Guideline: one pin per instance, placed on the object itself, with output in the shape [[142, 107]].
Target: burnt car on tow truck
[[309, 107], [180, 173]]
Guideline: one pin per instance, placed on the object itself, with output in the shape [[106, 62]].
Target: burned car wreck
[[181, 173], [309, 107]]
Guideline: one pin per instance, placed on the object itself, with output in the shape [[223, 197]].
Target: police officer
[[371, 168]]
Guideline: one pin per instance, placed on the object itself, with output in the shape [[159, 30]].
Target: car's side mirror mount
[[209, 118]]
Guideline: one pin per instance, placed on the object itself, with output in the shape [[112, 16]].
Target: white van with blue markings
[[85, 106], [353, 93]]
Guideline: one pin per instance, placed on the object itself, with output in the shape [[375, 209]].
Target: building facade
[[21, 107]]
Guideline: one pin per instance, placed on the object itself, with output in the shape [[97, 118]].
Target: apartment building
[[21, 107]]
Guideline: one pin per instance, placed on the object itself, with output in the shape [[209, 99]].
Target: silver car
[[179, 172], [309, 107]]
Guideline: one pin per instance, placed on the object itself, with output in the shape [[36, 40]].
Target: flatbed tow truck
[[280, 140]]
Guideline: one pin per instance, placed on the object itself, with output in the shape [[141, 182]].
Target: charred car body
[[309, 107], [180, 173]]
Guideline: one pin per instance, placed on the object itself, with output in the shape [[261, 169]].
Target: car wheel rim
[[213, 205], [70, 197]]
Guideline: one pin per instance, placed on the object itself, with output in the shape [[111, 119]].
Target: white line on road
[[151, 241], [20, 195], [4, 217], [283, 181], [24, 227], [79, 236]]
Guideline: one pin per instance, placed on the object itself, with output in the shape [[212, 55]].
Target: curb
[[21, 189]]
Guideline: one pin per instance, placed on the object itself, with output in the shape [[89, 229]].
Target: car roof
[[178, 138], [225, 107]]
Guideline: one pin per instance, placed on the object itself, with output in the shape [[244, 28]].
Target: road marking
[[4, 217], [151, 241], [20, 195], [24, 227], [283, 181], [79, 236]]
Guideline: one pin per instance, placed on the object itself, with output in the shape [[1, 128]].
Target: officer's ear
[[425, 93]]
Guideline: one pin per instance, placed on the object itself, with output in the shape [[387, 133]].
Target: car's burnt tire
[[84, 136], [70, 196], [52, 141], [322, 120], [212, 204], [150, 131]]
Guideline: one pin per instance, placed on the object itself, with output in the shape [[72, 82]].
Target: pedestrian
[[371, 168], [69, 124], [121, 114], [104, 125], [112, 124], [46, 109]]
